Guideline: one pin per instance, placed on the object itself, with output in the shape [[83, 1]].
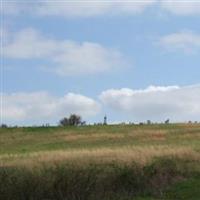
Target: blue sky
[[78, 57]]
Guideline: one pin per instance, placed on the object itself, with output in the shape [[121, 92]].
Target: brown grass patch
[[94, 136], [153, 135]]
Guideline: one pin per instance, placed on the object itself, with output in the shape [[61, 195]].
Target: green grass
[[187, 189], [23, 140], [118, 162]]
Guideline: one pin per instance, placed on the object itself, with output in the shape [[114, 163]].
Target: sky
[[130, 60]]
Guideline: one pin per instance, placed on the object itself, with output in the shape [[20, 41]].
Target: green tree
[[73, 120]]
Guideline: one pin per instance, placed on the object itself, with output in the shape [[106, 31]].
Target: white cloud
[[29, 43], [93, 8], [181, 7], [41, 106], [75, 9], [86, 9], [67, 57], [186, 41], [155, 103]]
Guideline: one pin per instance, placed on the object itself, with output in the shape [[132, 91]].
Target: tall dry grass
[[137, 154]]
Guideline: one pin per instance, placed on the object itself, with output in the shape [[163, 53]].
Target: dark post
[[105, 120]]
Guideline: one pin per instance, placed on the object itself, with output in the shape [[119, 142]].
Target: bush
[[100, 182]]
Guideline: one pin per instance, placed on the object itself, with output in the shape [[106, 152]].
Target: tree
[[4, 126], [167, 121], [73, 120], [64, 122]]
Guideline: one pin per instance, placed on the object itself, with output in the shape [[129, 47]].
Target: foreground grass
[[161, 179], [100, 162]]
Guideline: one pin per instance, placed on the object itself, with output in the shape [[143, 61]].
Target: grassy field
[[119, 162]]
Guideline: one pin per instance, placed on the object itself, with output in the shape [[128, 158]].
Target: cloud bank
[[41, 106], [155, 103]]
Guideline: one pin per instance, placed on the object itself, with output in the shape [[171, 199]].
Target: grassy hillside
[[101, 162]]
